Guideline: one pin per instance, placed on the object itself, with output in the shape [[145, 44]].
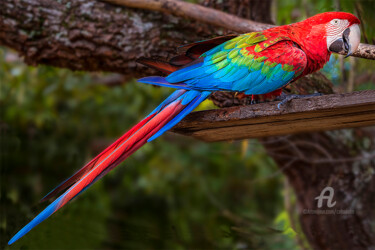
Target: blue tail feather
[[169, 99], [200, 97], [38, 219], [161, 81]]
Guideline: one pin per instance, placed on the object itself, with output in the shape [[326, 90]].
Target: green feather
[[241, 61], [287, 67], [256, 66], [218, 55], [242, 45], [233, 53], [273, 64], [235, 60], [230, 45], [258, 48], [249, 63], [222, 64], [288, 75], [250, 37], [256, 40], [261, 59]]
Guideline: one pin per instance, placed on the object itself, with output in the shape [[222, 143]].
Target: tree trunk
[[95, 36], [334, 159]]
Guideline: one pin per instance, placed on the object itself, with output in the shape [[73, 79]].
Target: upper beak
[[349, 41]]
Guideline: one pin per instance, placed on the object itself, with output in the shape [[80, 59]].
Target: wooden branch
[[217, 18], [321, 113], [195, 12]]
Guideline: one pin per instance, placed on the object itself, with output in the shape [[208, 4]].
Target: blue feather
[[244, 83], [161, 81], [206, 83], [225, 86], [239, 74], [188, 97], [184, 74], [200, 97], [38, 219], [167, 101], [228, 76]]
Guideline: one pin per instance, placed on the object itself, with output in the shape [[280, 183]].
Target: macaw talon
[[254, 101], [287, 98]]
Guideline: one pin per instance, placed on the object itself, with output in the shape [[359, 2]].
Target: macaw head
[[341, 29]]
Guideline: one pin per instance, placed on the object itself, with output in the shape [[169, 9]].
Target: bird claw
[[278, 106], [288, 98], [253, 101]]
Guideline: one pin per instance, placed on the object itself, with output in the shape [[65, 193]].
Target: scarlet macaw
[[253, 63]]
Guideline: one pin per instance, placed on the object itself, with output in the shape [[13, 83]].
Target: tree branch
[[195, 12], [217, 18], [93, 36]]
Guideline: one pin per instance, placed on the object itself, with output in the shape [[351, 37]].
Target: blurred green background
[[174, 193]]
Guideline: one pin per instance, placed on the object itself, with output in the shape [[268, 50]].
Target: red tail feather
[[67, 183], [123, 148]]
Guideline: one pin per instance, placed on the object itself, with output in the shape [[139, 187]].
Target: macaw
[[254, 63]]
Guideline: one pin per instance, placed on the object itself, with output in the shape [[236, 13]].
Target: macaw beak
[[348, 43]]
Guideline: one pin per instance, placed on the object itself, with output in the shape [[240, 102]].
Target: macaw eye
[[335, 21]]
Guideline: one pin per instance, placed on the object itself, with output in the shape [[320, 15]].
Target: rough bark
[[92, 35], [197, 12]]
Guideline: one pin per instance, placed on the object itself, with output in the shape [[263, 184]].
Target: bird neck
[[312, 40]]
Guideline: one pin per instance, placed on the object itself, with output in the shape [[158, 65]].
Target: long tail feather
[[172, 110], [67, 183], [160, 81]]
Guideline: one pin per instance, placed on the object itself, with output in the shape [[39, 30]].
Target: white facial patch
[[334, 29]]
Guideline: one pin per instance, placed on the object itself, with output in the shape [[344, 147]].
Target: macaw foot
[[254, 101], [287, 98]]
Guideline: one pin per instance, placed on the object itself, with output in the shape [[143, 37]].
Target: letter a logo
[[328, 197]]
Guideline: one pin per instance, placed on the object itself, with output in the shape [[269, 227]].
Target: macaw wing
[[253, 63]]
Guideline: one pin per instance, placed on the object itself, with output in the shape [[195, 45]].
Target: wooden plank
[[320, 113]]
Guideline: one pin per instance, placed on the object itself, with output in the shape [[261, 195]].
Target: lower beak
[[349, 41]]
